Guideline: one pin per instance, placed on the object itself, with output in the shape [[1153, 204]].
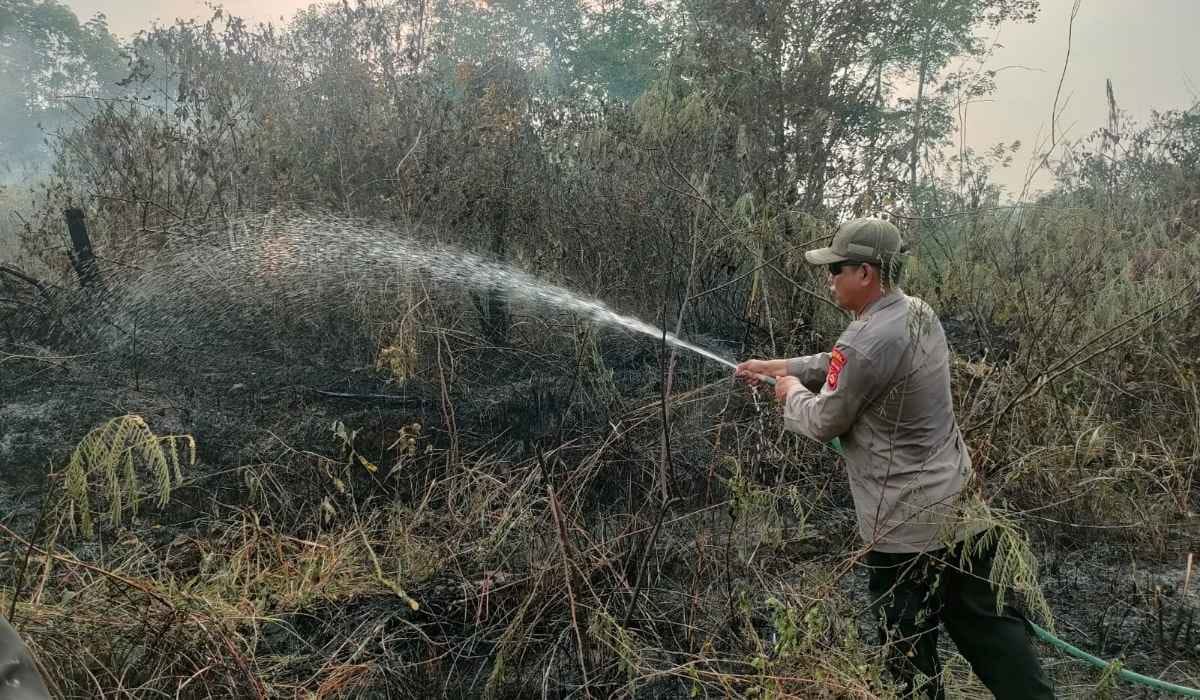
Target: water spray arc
[[293, 261]]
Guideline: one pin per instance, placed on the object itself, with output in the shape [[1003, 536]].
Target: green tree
[[817, 87], [48, 61]]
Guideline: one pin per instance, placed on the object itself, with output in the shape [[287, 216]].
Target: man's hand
[[784, 386], [752, 371]]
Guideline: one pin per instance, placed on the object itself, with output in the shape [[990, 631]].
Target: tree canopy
[[48, 60]]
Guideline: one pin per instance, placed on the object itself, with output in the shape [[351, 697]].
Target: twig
[[637, 585], [665, 465], [760, 266], [1063, 76], [562, 550], [1187, 575], [361, 397], [41, 286], [1037, 382], [37, 531], [95, 569], [396, 170], [809, 292], [395, 588]]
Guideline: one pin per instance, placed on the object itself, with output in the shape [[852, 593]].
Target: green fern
[[1106, 686], [605, 628], [1014, 565], [109, 457]]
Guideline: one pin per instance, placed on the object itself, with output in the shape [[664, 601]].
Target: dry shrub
[[1080, 404]]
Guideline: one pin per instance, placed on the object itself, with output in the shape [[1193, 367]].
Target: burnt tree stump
[[82, 258]]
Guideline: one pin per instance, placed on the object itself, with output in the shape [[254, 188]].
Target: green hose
[[1101, 663]]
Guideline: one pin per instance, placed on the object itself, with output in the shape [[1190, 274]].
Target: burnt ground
[[1112, 598]]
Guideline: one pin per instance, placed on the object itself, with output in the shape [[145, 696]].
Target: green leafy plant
[[107, 466]]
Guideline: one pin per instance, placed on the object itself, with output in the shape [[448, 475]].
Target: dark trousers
[[913, 593]]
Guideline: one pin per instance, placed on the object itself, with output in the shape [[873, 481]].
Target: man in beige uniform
[[884, 390]]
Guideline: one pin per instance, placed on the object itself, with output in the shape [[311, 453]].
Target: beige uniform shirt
[[885, 391]]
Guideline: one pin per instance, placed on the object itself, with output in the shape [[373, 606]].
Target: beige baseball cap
[[868, 240]]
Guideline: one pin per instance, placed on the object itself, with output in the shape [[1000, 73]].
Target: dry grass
[[423, 566]]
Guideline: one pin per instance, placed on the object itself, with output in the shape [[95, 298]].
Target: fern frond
[[1014, 565], [108, 460]]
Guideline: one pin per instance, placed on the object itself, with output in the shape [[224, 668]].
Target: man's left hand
[[784, 385]]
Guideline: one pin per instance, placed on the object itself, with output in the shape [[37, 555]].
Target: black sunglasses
[[835, 269]]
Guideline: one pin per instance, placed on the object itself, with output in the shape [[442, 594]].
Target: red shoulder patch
[[836, 362]]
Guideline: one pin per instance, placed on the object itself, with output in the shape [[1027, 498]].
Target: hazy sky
[[1147, 47]]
